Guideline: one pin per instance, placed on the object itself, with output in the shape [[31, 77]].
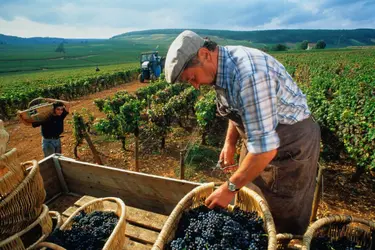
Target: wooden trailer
[[149, 199]]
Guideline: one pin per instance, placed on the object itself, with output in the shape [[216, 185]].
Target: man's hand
[[229, 149], [221, 197], [227, 154]]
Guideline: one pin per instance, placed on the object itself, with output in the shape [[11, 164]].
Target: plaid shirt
[[258, 88]]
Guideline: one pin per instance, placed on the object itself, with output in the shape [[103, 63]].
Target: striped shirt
[[262, 93]]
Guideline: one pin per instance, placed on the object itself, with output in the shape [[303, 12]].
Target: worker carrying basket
[[38, 110]]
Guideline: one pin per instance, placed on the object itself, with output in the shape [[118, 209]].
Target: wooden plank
[[136, 216], [70, 211], [52, 187], [141, 234], [129, 244], [144, 191], [50, 179], [59, 173], [61, 203]]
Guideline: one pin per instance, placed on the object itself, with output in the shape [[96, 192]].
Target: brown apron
[[288, 182]]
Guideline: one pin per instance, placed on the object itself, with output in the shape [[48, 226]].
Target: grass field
[[19, 58], [24, 68], [42, 57], [22, 82]]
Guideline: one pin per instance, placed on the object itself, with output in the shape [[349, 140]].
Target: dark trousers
[[288, 182]]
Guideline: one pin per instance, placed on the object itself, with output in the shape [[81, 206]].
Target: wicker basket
[[36, 113], [117, 238], [288, 241], [246, 200], [358, 230], [14, 172], [23, 206], [26, 239]]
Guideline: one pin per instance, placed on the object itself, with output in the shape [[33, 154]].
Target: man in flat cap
[[265, 108]]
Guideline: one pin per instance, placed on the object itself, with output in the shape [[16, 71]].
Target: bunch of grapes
[[202, 228], [88, 232], [326, 243]]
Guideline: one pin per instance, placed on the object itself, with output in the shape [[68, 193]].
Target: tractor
[[151, 66]]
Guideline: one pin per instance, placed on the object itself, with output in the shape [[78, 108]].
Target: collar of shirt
[[222, 57], [226, 79]]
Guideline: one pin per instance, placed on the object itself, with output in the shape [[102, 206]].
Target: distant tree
[[60, 48], [320, 44], [304, 44], [279, 47], [265, 48]]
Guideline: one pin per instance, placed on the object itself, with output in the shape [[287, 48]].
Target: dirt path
[[27, 139]]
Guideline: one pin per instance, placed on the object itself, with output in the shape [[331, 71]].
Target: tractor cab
[[151, 66]]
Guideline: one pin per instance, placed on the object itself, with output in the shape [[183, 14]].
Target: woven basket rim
[[28, 178], [327, 220], [14, 175], [8, 154], [36, 99], [44, 105], [44, 213], [209, 187]]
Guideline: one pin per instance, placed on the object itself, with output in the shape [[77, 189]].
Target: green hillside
[[41, 57], [333, 38], [39, 54]]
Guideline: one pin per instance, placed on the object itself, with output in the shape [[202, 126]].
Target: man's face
[[200, 74], [59, 110], [196, 76]]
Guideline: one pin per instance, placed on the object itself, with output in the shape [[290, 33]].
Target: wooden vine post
[[182, 164], [317, 193], [80, 133], [136, 152], [95, 153]]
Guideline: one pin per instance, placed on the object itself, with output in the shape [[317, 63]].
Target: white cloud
[[103, 19], [23, 27]]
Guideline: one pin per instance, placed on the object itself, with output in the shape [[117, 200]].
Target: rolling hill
[[39, 53], [333, 38]]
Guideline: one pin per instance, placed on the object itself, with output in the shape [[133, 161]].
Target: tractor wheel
[[141, 78], [152, 77]]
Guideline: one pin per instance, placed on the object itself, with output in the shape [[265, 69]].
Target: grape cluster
[[326, 243], [203, 228], [88, 232]]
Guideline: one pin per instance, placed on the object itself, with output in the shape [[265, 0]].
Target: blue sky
[[106, 18]]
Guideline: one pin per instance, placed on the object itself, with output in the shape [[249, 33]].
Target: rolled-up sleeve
[[258, 112]]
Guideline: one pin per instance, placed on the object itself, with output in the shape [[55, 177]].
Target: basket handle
[[58, 217], [37, 99], [50, 245], [34, 100]]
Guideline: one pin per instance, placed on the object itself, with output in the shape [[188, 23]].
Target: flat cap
[[182, 49]]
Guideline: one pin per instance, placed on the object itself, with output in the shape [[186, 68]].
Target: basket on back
[[246, 200], [13, 172], [35, 113], [24, 204], [36, 232], [109, 204], [358, 230]]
